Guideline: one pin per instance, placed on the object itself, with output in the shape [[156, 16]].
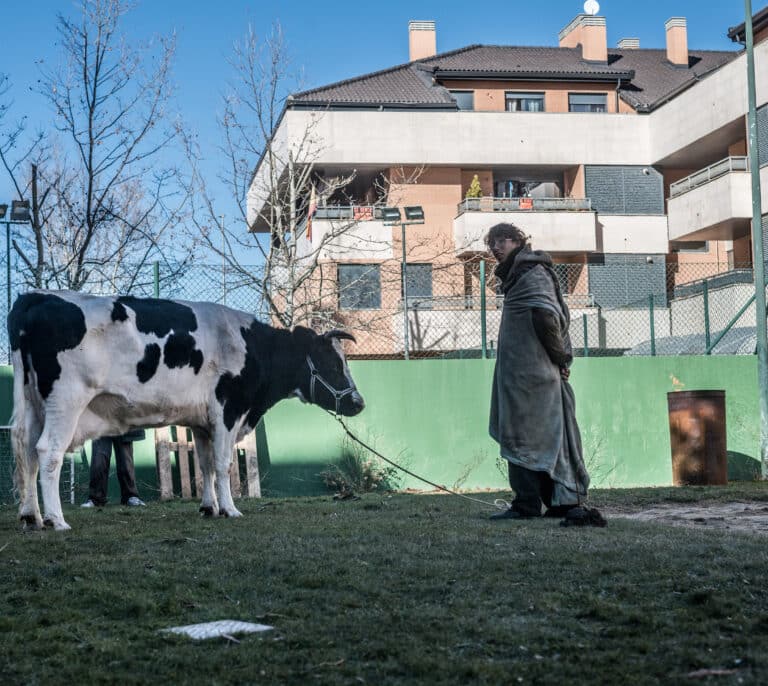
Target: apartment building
[[604, 156]]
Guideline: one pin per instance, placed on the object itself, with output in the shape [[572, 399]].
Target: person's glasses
[[501, 241]]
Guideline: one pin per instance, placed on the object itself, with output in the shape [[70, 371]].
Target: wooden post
[[253, 484], [183, 450], [163, 450], [234, 475]]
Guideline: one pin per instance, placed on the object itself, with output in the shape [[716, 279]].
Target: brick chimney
[[628, 44], [590, 33], [677, 41], [422, 39]]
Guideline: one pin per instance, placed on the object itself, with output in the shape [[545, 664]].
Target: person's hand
[[565, 373]]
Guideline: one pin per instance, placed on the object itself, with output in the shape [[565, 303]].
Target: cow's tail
[[20, 427]]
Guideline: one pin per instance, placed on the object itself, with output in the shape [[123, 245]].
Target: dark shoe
[[559, 511], [511, 513], [583, 516]]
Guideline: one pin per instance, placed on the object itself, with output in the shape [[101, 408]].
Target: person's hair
[[505, 230]]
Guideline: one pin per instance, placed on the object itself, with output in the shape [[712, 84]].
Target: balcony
[[359, 231], [554, 224], [714, 203], [488, 204], [714, 171]]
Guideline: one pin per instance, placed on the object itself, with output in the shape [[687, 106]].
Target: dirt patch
[[749, 517]]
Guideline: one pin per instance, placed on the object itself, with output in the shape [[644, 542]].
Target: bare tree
[[270, 251], [16, 151], [102, 203]]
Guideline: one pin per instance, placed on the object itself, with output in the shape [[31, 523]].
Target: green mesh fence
[[621, 305]]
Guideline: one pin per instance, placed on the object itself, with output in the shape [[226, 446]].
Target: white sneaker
[[133, 501], [88, 503]]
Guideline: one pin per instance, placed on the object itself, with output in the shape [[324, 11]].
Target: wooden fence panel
[[188, 461]]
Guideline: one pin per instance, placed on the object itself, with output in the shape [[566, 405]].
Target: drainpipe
[[618, 86]]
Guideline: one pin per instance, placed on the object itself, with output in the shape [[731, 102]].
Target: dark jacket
[[545, 323]]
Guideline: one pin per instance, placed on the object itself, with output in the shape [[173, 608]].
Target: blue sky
[[333, 40]]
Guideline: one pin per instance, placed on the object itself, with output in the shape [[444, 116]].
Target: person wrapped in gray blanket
[[533, 412]]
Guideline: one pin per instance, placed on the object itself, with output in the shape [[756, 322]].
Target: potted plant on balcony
[[474, 194]]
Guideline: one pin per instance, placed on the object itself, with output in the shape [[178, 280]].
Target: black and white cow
[[86, 366]]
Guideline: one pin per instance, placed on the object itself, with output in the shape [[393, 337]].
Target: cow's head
[[324, 378]]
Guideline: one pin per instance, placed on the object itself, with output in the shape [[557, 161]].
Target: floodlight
[[390, 214], [414, 213], [20, 210]]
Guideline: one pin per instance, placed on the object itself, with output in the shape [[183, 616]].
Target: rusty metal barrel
[[698, 438]]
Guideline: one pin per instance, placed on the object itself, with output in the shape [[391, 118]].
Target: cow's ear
[[304, 336]]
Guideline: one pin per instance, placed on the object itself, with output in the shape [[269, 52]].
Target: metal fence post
[[586, 335], [653, 325], [156, 272], [8, 265], [707, 335], [483, 321], [758, 251]]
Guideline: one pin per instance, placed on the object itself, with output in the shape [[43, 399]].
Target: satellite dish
[[591, 7]]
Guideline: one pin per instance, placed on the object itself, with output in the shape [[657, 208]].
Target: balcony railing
[[351, 212], [489, 204], [713, 171]]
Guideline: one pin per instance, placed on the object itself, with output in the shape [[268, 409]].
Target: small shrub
[[358, 471], [475, 190]]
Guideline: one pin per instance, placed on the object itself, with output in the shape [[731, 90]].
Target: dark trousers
[[100, 454], [531, 490]]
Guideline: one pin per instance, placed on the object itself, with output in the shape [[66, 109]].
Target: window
[[587, 102], [524, 102], [465, 100], [689, 246], [419, 278], [526, 188], [359, 286]]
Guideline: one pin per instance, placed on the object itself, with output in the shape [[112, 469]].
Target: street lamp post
[[413, 215], [758, 251], [19, 215]]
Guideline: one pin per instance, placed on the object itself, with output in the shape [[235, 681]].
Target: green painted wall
[[6, 394], [431, 416]]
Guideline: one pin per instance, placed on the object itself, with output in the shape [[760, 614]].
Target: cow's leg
[[26, 434], [224, 446], [58, 430], [209, 506]]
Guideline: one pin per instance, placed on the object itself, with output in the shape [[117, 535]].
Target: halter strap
[[315, 376]]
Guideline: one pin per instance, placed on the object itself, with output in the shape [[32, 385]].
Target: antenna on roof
[[591, 7]]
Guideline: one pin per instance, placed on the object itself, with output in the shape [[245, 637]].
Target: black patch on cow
[[147, 366], [118, 312], [249, 392], [160, 318], [180, 351], [42, 325]]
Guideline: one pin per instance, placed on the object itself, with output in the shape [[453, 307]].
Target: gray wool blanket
[[533, 410]]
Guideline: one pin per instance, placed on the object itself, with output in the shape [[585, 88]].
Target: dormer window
[[465, 100]]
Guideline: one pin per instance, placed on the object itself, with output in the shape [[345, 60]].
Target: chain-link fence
[[621, 305], [72, 484], [633, 306]]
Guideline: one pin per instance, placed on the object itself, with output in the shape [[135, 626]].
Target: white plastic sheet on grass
[[222, 628]]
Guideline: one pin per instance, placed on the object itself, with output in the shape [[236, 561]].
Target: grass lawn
[[384, 590]]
